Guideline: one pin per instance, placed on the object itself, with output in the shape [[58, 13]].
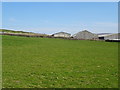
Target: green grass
[[58, 63]]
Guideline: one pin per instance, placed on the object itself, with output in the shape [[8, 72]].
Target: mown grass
[[58, 63]]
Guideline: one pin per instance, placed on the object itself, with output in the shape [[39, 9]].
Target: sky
[[52, 17]]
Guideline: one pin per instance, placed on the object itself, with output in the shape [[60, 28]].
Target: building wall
[[85, 35], [61, 35], [113, 36]]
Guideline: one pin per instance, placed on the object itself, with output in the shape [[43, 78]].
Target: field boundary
[[45, 36]]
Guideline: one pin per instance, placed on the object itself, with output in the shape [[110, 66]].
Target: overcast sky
[[52, 17]]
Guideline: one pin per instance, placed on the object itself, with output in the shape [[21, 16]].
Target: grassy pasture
[[58, 63]]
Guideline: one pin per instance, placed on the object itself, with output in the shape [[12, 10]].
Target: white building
[[110, 36], [61, 34], [85, 35]]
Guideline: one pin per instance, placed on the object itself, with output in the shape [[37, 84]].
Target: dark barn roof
[[62, 33]]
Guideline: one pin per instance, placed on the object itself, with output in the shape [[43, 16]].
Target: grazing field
[[58, 63]]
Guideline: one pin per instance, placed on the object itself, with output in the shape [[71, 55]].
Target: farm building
[[85, 35], [102, 35], [110, 36], [61, 34]]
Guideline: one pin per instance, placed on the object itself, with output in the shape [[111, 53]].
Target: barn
[[62, 34], [102, 36], [85, 35], [110, 36]]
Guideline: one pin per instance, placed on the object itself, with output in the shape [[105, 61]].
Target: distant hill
[[12, 31]]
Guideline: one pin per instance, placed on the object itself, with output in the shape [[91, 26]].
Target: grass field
[[58, 63]]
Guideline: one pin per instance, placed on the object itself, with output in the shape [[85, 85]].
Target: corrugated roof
[[105, 35], [83, 31], [62, 33]]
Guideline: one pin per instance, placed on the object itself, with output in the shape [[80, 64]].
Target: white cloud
[[106, 27], [96, 27], [107, 24], [12, 19]]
